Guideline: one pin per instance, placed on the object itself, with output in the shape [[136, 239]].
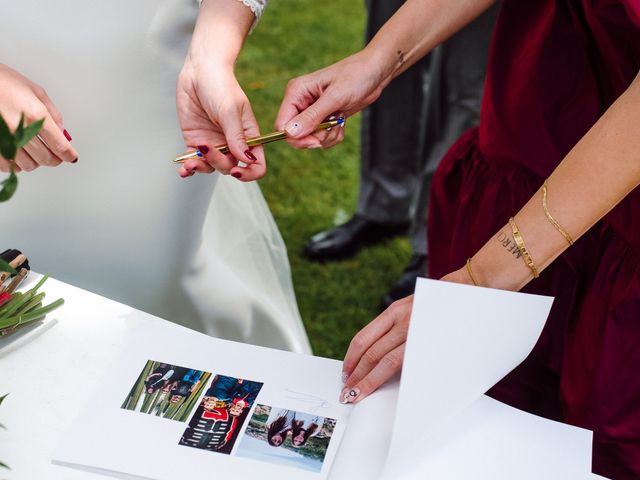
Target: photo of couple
[[217, 421], [166, 390], [289, 437]]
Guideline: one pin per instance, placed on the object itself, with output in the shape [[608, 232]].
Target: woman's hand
[[213, 110], [376, 352], [18, 96], [341, 89]]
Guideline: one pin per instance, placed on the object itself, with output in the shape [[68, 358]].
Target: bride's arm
[[212, 107]]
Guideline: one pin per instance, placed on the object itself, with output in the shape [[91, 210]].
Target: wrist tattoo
[[400, 57], [508, 244]]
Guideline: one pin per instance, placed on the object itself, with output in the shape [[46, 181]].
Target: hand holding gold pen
[[261, 140]]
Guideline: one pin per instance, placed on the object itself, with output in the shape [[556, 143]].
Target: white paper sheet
[[115, 440], [463, 340]]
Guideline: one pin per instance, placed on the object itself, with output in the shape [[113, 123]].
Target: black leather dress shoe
[[404, 287], [347, 239]]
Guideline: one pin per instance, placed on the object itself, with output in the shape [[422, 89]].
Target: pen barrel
[[261, 140]]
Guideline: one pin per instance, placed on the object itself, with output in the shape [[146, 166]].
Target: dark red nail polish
[[75, 161], [203, 149], [66, 135], [236, 175], [250, 156]]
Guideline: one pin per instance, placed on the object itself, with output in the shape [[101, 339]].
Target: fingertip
[[294, 128]]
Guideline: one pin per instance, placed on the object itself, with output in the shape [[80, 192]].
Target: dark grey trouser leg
[[452, 102], [391, 163]]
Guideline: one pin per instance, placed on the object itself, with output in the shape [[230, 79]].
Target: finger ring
[[42, 140]]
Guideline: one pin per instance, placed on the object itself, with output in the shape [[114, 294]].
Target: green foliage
[[25, 308], [10, 143], [308, 190], [9, 186], [5, 267]]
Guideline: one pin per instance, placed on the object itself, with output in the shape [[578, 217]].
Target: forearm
[[220, 31], [416, 29], [592, 179]]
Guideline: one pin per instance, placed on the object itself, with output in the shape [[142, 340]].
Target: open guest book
[[180, 404]]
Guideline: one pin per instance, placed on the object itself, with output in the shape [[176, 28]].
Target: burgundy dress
[[555, 66]]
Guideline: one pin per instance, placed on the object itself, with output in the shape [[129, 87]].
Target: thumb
[[308, 120], [234, 133]]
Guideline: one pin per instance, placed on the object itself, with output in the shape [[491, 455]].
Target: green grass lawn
[[309, 190]]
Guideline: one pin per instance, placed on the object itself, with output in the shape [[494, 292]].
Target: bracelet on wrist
[[470, 272], [517, 237], [553, 221]]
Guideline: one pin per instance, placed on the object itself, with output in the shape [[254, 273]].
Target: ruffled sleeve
[[256, 6]]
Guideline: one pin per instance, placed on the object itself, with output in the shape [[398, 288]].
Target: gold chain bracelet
[[564, 233], [521, 247], [470, 272]]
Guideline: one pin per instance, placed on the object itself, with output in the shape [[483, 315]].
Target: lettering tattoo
[[400, 57], [508, 244]]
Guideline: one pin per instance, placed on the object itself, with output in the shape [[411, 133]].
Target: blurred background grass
[[309, 191]]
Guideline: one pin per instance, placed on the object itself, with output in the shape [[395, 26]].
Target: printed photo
[[166, 391], [287, 437], [217, 421]]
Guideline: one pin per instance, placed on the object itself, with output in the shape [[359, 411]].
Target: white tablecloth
[[52, 370]]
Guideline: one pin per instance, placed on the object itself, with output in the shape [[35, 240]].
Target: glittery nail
[[349, 395]]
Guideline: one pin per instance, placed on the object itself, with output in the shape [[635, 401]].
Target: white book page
[[130, 443], [463, 340]]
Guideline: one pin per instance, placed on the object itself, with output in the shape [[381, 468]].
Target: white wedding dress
[[202, 251]]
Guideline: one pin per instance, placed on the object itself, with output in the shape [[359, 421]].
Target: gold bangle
[[564, 233], [523, 250], [470, 272]]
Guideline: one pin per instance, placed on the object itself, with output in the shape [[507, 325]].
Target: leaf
[[7, 144], [9, 186], [23, 135], [3, 397], [5, 267]]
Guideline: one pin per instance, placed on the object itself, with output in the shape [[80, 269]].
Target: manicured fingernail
[[236, 175], [349, 395], [75, 161], [250, 156], [66, 135], [293, 129], [313, 147], [203, 149], [345, 376]]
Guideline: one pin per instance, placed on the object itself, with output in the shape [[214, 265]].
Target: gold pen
[[261, 140]]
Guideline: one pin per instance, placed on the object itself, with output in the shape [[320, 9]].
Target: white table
[[51, 371]]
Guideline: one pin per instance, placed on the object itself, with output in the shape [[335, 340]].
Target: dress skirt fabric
[[120, 222], [555, 66]]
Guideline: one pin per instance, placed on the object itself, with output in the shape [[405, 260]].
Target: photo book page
[[179, 403]]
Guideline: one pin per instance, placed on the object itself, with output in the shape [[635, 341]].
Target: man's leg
[[391, 160], [452, 102]]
